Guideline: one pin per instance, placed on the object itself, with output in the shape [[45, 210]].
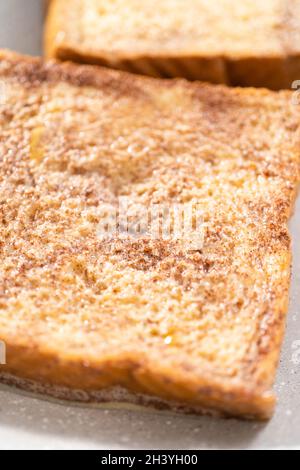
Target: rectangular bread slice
[[127, 315], [246, 43]]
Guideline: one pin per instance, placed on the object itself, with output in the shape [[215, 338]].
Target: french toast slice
[[248, 43], [147, 319]]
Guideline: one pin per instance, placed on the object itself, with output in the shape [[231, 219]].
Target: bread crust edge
[[117, 396]]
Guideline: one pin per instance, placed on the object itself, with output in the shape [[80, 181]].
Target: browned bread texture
[[248, 43], [192, 329]]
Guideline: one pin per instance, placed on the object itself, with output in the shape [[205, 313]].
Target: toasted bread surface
[[249, 43], [199, 327]]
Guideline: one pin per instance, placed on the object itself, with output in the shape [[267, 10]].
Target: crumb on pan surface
[[203, 328]]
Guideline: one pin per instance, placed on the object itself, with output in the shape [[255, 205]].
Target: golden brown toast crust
[[249, 43], [115, 395], [201, 328]]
